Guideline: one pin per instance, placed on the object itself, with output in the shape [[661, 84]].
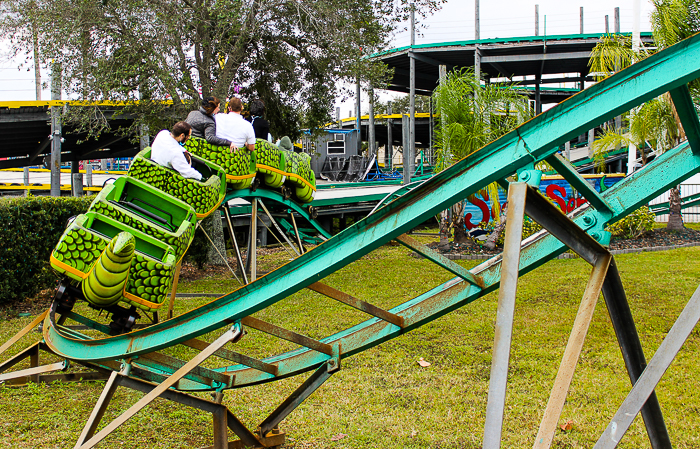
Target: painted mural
[[479, 211]]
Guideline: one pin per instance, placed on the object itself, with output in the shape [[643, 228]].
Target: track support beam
[[504, 318], [633, 355], [652, 374]]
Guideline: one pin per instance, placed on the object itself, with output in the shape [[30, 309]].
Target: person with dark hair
[[167, 150], [234, 127], [260, 125], [203, 123]]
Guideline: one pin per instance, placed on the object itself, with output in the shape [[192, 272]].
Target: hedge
[[29, 229]]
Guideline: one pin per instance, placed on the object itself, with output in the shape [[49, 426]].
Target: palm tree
[[655, 124], [473, 114]]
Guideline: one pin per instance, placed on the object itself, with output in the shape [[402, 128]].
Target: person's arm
[[180, 164], [210, 135]]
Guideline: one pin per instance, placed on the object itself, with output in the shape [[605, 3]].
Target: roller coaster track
[[518, 152]]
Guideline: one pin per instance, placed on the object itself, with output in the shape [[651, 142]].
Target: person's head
[[257, 108], [286, 143], [235, 105], [211, 105], [181, 131]]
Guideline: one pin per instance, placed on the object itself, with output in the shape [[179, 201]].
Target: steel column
[[239, 259], [504, 318], [296, 233], [632, 353], [99, 410], [322, 374], [652, 374], [555, 405]]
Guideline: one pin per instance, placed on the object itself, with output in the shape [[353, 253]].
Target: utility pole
[[371, 134], [408, 153], [537, 20], [358, 111], [581, 17]]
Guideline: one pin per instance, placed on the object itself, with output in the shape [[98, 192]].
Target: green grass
[[382, 398]]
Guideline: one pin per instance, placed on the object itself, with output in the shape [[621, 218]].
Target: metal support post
[[607, 24], [477, 21], [617, 20], [358, 118], [371, 132], [296, 233], [239, 259], [581, 18], [567, 150], [322, 374], [252, 249], [389, 150], [409, 153], [337, 117], [56, 131], [99, 410], [555, 405], [88, 173], [537, 20], [504, 319], [633, 354], [650, 377], [26, 180], [591, 138], [76, 179]]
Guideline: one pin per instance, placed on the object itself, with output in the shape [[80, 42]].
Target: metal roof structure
[[26, 130], [539, 56]]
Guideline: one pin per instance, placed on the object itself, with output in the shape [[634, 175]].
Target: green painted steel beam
[[564, 168], [531, 142], [688, 115]]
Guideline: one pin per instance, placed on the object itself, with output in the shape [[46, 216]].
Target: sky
[[454, 22]]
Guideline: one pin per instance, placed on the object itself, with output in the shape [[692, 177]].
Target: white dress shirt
[[234, 127], [166, 151]]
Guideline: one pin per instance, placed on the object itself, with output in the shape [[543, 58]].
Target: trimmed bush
[[29, 229], [633, 225]]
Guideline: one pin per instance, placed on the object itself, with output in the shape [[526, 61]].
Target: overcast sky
[[503, 18]]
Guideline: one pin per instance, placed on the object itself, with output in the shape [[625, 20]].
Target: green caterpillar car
[[239, 165], [204, 196]]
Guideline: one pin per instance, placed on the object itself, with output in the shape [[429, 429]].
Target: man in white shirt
[[234, 127], [167, 150]]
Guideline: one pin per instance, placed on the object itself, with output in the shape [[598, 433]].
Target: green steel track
[[516, 152]]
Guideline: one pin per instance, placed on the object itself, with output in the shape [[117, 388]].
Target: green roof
[[499, 40]]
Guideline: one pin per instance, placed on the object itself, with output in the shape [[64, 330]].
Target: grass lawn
[[382, 398]]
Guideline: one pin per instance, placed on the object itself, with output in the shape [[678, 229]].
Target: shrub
[[29, 229], [633, 225]]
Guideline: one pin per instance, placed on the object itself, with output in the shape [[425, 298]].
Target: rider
[[167, 150]]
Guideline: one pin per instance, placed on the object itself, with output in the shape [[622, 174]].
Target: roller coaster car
[[239, 165], [204, 196], [107, 262], [147, 209], [270, 163], [300, 176]]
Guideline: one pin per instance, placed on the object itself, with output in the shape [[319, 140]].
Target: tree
[[289, 53], [472, 114], [402, 105], [655, 124]]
